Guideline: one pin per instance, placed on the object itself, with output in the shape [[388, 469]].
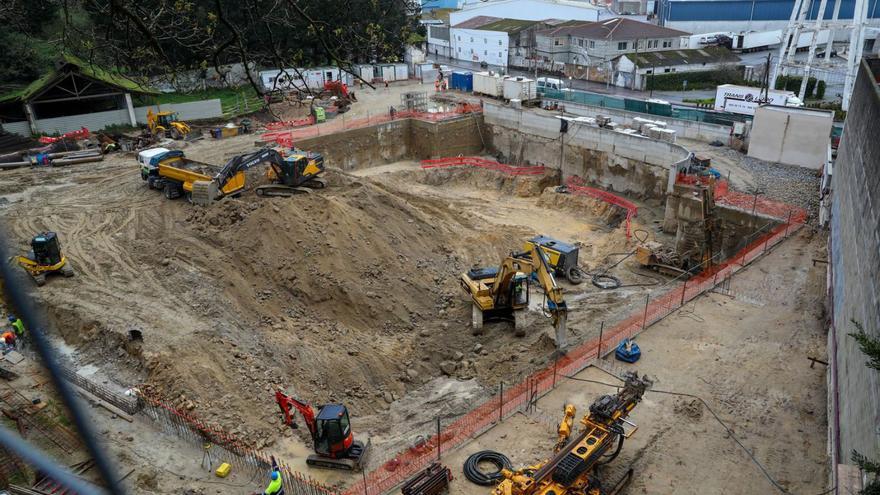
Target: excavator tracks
[[280, 190]]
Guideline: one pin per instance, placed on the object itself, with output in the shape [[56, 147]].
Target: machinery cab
[[165, 119], [301, 165], [45, 249], [519, 291], [333, 437]]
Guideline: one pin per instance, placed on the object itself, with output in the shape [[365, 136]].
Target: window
[[499, 54], [667, 70], [472, 39], [649, 71], [459, 49], [485, 41], [459, 38], [557, 42], [580, 42], [499, 42], [667, 44], [621, 45], [485, 52], [592, 44]]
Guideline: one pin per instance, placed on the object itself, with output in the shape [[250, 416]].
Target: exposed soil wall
[[398, 140]]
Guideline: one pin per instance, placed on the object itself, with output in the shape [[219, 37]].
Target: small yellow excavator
[[167, 124], [45, 257], [503, 293], [573, 468]]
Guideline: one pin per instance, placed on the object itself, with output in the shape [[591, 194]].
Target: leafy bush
[[820, 90], [709, 79], [793, 84]]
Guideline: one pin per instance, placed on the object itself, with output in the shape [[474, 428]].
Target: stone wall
[[855, 273], [609, 160]]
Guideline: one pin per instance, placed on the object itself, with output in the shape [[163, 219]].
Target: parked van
[[545, 83]]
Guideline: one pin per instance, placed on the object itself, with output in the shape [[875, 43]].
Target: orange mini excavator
[[335, 446]]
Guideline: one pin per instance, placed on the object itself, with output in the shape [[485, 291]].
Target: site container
[[401, 72], [520, 88], [487, 83]]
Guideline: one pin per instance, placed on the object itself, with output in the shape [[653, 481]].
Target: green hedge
[[793, 84], [709, 79]]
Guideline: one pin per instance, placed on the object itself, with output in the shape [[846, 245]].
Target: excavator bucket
[[204, 192]]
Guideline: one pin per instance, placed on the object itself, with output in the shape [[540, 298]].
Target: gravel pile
[[790, 184]]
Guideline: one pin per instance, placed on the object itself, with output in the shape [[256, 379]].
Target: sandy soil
[[745, 353], [350, 294]]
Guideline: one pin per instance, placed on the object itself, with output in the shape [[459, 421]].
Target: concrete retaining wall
[[20, 128], [398, 140], [193, 110], [91, 121], [687, 129], [610, 160], [855, 272], [794, 136]]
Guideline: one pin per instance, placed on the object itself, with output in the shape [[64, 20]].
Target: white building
[[438, 41], [473, 44], [527, 10]]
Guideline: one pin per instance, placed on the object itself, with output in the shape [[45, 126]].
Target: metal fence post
[[438, 438], [555, 363], [645, 317], [683, 289], [787, 224], [501, 402], [601, 330], [364, 475]]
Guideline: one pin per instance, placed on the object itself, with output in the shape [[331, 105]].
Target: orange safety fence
[[475, 161], [287, 137], [724, 195], [211, 437], [406, 463], [575, 184]]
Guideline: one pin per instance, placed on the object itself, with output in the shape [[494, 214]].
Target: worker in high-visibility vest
[[275, 484], [17, 325]]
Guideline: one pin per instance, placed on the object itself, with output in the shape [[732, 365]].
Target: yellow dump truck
[[174, 174]]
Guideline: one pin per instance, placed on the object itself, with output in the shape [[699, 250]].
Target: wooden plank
[[106, 405]]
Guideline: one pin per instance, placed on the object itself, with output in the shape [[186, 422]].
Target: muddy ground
[[349, 294], [743, 351]]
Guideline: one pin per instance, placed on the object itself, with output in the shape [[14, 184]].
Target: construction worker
[[17, 325], [8, 339], [275, 484]]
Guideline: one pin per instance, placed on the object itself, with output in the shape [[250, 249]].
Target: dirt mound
[[523, 186]]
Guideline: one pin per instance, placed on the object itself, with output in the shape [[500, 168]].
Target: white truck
[[744, 99]]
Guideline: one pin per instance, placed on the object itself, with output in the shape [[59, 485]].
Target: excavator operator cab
[[332, 431], [520, 290], [166, 118], [46, 249]]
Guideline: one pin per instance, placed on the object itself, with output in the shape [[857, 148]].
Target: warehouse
[[528, 10], [710, 16], [645, 64]]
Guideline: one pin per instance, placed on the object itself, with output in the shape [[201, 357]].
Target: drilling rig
[[573, 468]]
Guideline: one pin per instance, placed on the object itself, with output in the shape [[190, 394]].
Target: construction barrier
[[288, 137], [219, 446], [400, 467], [474, 161], [576, 185]]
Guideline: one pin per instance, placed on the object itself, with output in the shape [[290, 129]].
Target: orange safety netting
[[408, 462], [474, 161], [576, 185]]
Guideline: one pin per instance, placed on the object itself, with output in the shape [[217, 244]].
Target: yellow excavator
[[503, 292], [167, 124], [44, 258], [573, 468]]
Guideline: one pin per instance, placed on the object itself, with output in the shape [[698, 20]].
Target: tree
[[871, 347], [160, 38]]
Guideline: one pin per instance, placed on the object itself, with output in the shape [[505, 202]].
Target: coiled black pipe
[[472, 470]]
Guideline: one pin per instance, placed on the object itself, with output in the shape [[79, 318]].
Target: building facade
[[595, 43], [527, 10], [438, 41], [635, 70], [854, 253], [710, 16]]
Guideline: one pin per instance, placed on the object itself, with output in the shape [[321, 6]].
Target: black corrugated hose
[[472, 470]]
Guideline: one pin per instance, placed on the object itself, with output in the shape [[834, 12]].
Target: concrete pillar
[[32, 119], [130, 106]]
